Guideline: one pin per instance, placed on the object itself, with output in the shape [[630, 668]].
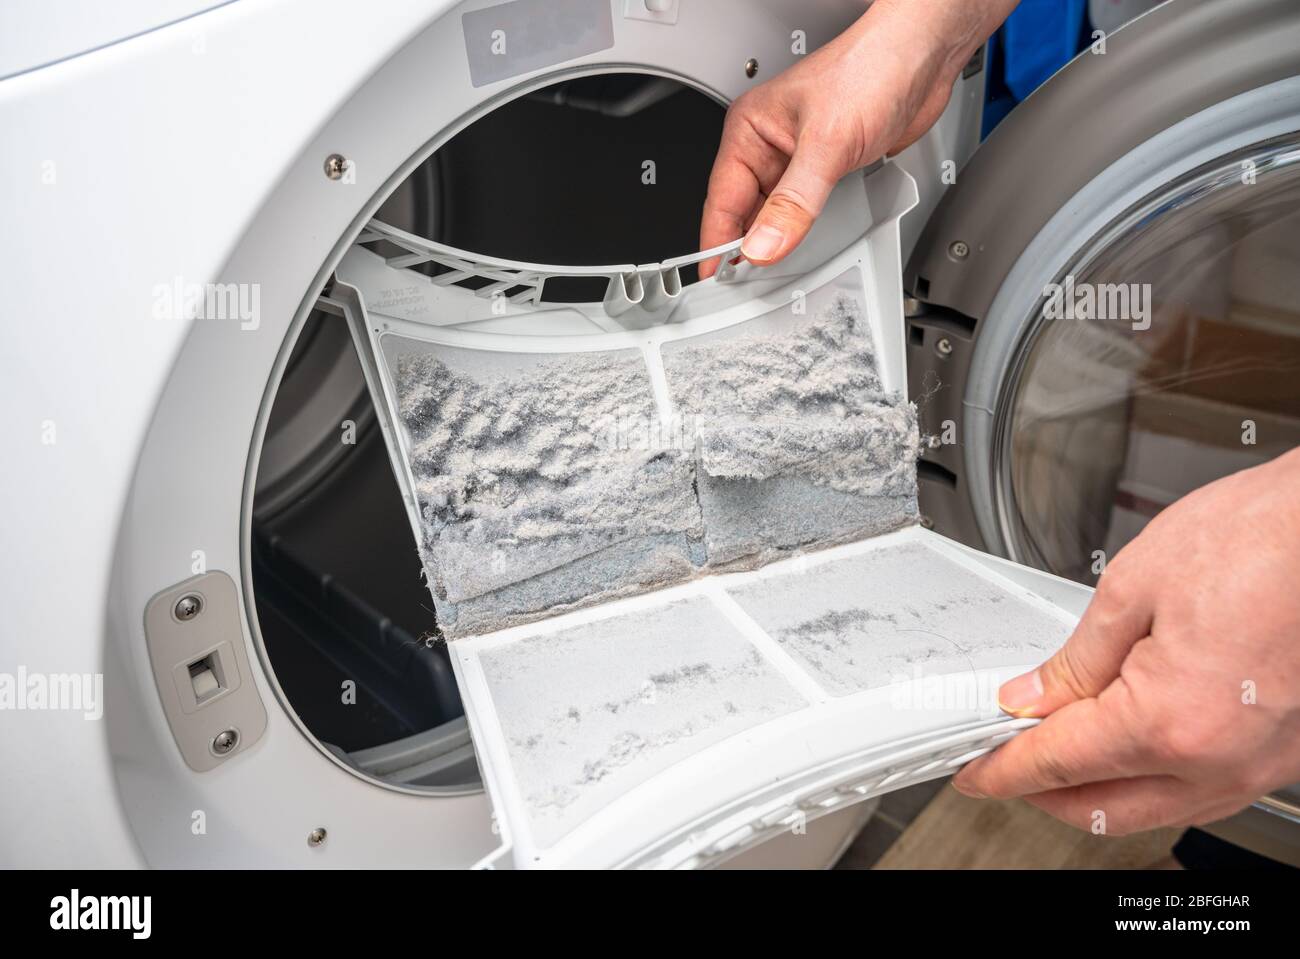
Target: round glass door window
[[1168, 356]]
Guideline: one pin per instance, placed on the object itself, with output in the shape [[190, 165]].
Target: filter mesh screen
[[551, 481], [797, 441], [590, 712], [574, 715], [526, 502], [893, 615]]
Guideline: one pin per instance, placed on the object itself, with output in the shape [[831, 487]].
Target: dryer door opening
[[345, 615], [557, 173]]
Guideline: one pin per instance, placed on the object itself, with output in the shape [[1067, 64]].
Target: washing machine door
[[1105, 307], [1180, 210]]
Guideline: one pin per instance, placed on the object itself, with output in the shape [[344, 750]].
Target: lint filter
[[672, 538]]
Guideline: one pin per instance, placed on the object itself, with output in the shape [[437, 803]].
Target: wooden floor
[[954, 832]]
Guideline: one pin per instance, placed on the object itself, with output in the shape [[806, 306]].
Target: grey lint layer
[[527, 502], [591, 712], [798, 442], [531, 506], [900, 613]]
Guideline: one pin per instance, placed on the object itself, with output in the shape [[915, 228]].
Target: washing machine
[[1067, 438], [212, 504]]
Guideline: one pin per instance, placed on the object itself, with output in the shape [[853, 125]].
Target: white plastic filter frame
[[744, 789], [651, 289]]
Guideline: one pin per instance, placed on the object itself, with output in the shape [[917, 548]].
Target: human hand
[[1177, 699], [874, 89]]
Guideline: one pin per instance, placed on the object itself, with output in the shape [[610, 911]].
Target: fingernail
[[762, 243], [1018, 696], [968, 791]]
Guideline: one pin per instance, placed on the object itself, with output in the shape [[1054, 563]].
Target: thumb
[[1119, 615], [792, 206]]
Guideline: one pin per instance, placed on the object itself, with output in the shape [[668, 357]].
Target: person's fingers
[[792, 205], [1119, 615], [745, 167], [727, 212], [1119, 807], [1083, 742]]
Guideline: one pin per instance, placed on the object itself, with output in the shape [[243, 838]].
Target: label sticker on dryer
[[524, 35]]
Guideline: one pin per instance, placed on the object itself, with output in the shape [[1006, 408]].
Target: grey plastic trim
[[212, 635], [1280, 807], [426, 758], [1263, 829], [1170, 64]]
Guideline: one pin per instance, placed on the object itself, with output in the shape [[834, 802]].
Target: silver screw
[[959, 250], [187, 607], [944, 346], [316, 837], [336, 164], [927, 523], [751, 68], [225, 742]]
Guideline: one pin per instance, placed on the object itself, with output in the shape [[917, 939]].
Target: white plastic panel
[[680, 727], [37, 33]]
